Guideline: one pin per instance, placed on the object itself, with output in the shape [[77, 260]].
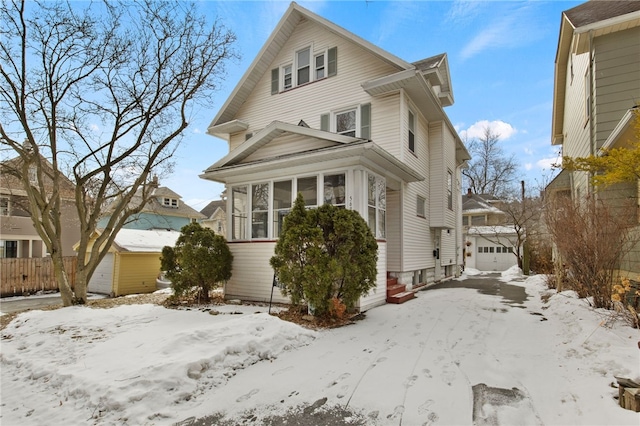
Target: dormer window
[[170, 202]]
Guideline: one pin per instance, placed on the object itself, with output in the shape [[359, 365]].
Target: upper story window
[[354, 121], [412, 132], [305, 66], [420, 206], [170, 202], [346, 122], [450, 190], [33, 175], [5, 206]]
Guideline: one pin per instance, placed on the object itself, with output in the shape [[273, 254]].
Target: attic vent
[[248, 136], [303, 124]]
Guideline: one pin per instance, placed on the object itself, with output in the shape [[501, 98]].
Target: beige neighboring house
[[489, 243], [327, 114], [597, 88], [215, 217], [18, 236]]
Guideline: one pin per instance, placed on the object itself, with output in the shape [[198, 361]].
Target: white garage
[[490, 248], [102, 280]]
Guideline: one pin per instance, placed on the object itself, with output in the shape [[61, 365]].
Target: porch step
[[401, 297], [395, 289], [391, 281]]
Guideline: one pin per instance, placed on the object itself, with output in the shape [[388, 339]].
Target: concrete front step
[[401, 297]]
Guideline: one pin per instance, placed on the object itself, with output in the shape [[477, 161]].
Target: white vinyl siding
[[251, 274], [287, 144], [617, 79], [329, 94], [378, 295], [394, 230]]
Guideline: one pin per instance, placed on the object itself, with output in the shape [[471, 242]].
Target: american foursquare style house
[[324, 113]]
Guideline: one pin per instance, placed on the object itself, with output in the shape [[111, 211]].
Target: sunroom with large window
[[325, 168]]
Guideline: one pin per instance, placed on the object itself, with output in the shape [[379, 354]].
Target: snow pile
[[458, 355], [130, 362]]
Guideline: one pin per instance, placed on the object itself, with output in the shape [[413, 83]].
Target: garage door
[[494, 258], [102, 280]]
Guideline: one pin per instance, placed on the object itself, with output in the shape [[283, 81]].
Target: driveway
[[16, 304], [455, 355]]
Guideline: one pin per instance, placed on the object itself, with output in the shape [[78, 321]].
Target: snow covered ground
[[451, 356]]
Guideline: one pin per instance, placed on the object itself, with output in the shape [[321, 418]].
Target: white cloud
[[463, 11], [528, 166], [528, 151], [197, 131], [499, 127], [547, 163], [94, 128]]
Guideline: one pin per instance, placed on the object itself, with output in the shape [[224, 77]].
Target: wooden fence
[[30, 275]]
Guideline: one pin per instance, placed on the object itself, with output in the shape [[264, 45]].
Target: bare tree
[[591, 238], [490, 171], [100, 94]]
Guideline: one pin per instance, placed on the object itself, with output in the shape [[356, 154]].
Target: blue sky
[[501, 55]]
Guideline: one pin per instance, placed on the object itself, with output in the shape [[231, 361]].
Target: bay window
[[282, 198], [259, 210], [308, 187], [335, 189], [239, 205], [376, 205]]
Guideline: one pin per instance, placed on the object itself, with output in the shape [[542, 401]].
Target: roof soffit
[[262, 62]]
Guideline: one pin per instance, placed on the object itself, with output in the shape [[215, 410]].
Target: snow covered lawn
[[423, 362]]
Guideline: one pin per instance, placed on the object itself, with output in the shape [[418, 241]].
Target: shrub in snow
[[323, 254], [200, 259]]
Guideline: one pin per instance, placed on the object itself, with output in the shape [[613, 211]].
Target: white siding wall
[[394, 231], [355, 66], [617, 79], [252, 276], [417, 238], [377, 296]]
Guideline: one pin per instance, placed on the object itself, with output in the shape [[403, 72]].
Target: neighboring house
[[324, 113], [215, 214], [488, 240], [18, 236], [597, 86], [133, 262], [165, 210]]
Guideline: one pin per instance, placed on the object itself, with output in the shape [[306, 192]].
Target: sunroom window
[[334, 190], [376, 205], [282, 194], [259, 210], [239, 205], [308, 187]]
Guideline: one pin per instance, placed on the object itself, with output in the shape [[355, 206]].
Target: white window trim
[[325, 64], [8, 208], [296, 66], [282, 77], [411, 130], [334, 114], [421, 209]]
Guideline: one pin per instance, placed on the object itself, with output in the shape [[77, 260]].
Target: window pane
[[260, 197], [334, 189], [479, 249], [287, 77], [303, 65], [303, 75], [372, 190], [381, 223], [239, 213], [319, 67], [382, 193], [309, 189], [282, 192], [372, 220], [346, 123], [282, 195], [259, 224]]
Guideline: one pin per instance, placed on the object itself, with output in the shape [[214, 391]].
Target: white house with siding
[[324, 113], [596, 91]]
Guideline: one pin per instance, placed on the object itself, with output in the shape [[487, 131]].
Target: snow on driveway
[[451, 356]]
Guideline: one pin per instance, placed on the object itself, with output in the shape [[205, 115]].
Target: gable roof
[[577, 26], [272, 131], [260, 65], [479, 203], [155, 206], [211, 208]]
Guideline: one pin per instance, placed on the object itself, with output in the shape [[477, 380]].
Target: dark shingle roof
[[600, 10], [212, 206]]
